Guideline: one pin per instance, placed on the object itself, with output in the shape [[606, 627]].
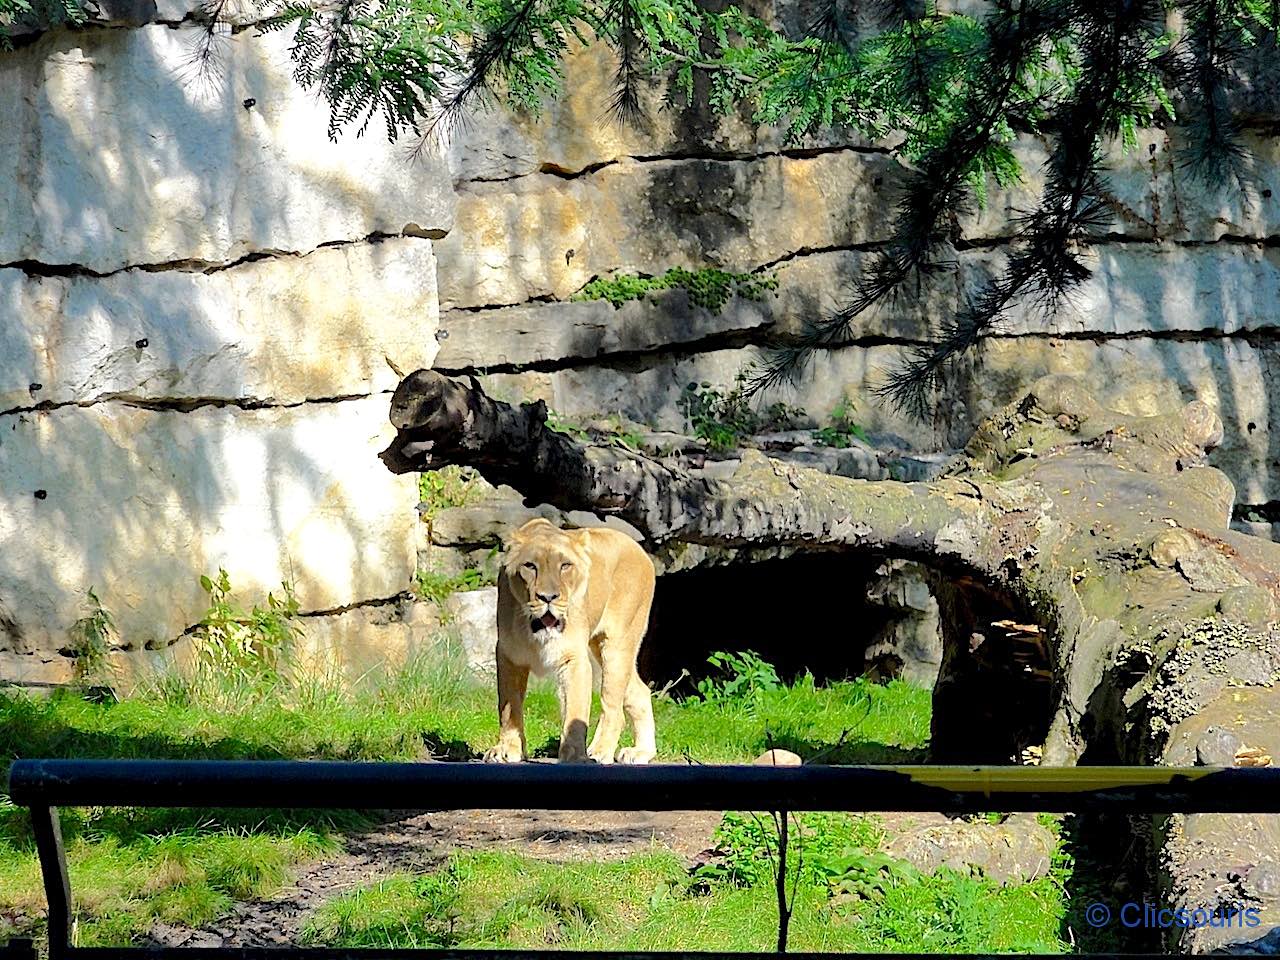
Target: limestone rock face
[[473, 616], [283, 329], [138, 503], [568, 137], [545, 236], [375, 639], [114, 159], [910, 645], [534, 333]]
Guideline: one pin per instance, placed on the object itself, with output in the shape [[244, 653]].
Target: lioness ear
[[527, 530]]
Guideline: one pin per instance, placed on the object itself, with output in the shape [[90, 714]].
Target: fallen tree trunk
[[1095, 604]]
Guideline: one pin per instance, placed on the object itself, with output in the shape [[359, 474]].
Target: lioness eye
[[531, 566], [565, 566]]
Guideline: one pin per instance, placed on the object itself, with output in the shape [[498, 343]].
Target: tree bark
[[1096, 605]]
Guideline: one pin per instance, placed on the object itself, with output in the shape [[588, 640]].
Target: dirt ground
[[416, 842]]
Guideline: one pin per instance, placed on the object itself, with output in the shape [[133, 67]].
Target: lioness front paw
[[634, 755], [599, 757], [503, 753], [573, 754]]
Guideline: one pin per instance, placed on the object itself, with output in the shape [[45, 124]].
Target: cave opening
[[833, 615], [841, 616]]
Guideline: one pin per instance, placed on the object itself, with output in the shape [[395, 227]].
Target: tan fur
[[594, 588]]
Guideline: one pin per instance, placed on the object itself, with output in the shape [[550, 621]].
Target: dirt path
[[420, 842]]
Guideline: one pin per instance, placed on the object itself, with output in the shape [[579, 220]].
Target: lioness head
[[547, 569]]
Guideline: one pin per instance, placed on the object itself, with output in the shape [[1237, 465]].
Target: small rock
[[1255, 667], [777, 758], [1172, 545], [473, 615], [1217, 748], [1016, 851], [1249, 604]]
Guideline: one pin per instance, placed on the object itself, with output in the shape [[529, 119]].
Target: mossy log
[[1096, 605]]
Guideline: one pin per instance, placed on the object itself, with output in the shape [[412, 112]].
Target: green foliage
[[133, 867], [742, 677], [849, 896], [246, 651], [648, 902], [746, 847], [842, 430], [90, 639], [451, 486], [709, 288], [725, 419], [604, 430], [438, 587], [36, 13], [570, 428]]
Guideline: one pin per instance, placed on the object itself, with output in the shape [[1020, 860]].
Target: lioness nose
[[547, 597]]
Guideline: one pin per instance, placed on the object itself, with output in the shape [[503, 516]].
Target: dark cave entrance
[[805, 613], [841, 616]]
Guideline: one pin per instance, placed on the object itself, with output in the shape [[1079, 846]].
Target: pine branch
[[495, 52], [629, 46], [1117, 49], [1214, 153], [936, 192]]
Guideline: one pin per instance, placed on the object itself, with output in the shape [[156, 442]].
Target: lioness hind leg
[[638, 703], [513, 681]]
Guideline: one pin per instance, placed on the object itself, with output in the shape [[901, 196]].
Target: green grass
[[438, 710], [130, 868], [650, 902]]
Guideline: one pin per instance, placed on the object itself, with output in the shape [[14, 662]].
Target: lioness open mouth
[[548, 621]]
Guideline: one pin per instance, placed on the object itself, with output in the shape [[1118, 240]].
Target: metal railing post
[[57, 885]]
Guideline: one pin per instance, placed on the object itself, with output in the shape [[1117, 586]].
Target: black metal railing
[[44, 785]]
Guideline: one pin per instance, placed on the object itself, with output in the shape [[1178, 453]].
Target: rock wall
[[1184, 290], [201, 300], [204, 301]]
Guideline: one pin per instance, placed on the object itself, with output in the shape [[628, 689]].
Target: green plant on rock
[[709, 288], [246, 651], [439, 587], [842, 430], [451, 486], [570, 428], [609, 429], [90, 639], [724, 419]]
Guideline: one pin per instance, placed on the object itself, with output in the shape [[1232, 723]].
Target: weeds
[[742, 676], [725, 419], [842, 430], [245, 651], [451, 486], [439, 587], [90, 640], [604, 430], [710, 288]]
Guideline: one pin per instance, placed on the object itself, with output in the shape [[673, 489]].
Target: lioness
[[574, 603]]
